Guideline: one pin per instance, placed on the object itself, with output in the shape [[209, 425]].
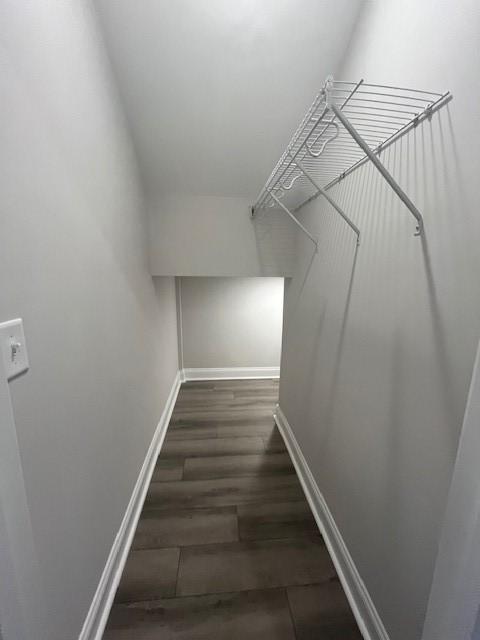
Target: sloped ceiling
[[213, 89]]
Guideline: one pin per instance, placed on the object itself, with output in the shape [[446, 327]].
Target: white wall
[[379, 346], [455, 594], [231, 322], [22, 609], [101, 340], [215, 236]]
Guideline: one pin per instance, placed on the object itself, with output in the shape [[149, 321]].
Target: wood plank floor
[[226, 547]]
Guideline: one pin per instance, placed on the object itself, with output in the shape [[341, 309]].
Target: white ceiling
[[213, 89]]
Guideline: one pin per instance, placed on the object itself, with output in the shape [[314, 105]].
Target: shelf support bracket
[[379, 166], [329, 199], [290, 214]]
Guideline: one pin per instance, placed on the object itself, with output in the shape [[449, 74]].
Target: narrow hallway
[[226, 546], [195, 195]]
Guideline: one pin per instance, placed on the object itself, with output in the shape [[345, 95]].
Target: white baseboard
[[97, 616], [368, 620], [232, 373]]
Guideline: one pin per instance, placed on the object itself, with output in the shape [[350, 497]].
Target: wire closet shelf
[[348, 124]]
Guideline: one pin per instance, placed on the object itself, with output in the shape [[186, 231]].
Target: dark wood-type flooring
[[226, 547]]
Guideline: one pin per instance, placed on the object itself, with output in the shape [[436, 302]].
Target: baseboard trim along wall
[[367, 617], [232, 373], [98, 613]]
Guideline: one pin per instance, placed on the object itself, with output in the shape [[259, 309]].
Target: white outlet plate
[[13, 347]]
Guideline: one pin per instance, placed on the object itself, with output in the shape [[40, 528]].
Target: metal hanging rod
[[342, 130], [297, 222], [385, 173]]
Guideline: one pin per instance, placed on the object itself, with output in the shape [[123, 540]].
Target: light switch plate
[[13, 347]]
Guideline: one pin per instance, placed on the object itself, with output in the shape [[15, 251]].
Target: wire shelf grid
[[347, 124]]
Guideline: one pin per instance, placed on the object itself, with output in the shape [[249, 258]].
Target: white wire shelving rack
[[348, 124]]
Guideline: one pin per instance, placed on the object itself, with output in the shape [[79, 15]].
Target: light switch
[[13, 347]]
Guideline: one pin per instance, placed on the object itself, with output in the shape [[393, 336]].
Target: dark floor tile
[[242, 421], [267, 464], [225, 428], [211, 447], [202, 404], [222, 492], [148, 574], [185, 527], [263, 429], [198, 384], [248, 383], [252, 565], [259, 383], [222, 414], [241, 417], [267, 391], [256, 615], [322, 612], [168, 469], [196, 432], [274, 442], [193, 396], [252, 401], [274, 446], [280, 520], [202, 431], [263, 397], [244, 403]]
